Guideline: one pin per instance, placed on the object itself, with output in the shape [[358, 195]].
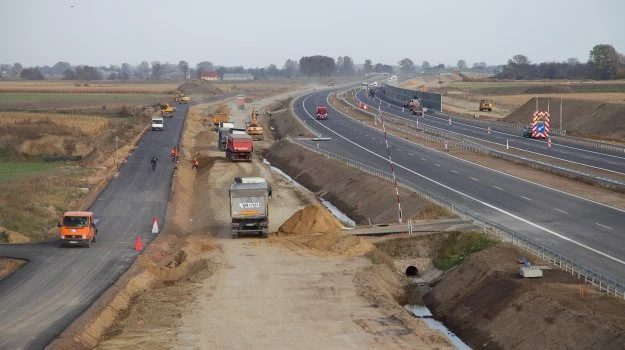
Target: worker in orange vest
[[174, 155], [196, 165]]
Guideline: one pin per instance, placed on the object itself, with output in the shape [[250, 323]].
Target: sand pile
[[311, 219], [316, 228]]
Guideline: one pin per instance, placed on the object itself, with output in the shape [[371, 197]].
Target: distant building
[[237, 76], [209, 76]]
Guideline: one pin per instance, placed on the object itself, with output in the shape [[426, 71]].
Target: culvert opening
[[411, 271]]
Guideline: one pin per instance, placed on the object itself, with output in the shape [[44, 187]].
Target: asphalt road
[[612, 162], [41, 299], [585, 231]]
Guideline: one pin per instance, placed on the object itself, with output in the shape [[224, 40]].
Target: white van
[[364, 86], [158, 123]]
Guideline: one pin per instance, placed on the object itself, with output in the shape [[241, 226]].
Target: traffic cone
[[154, 225], [138, 244]]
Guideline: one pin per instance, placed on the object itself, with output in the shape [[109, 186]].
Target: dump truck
[[486, 105], [249, 206], [78, 228], [219, 118], [167, 110], [322, 113], [222, 134], [240, 100], [239, 147], [415, 106], [253, 128], [184, 99]]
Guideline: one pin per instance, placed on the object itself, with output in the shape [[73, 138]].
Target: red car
[[322, 113]]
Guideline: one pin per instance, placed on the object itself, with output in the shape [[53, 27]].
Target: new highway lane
[[610, 162], [41, 299], [585, 231]]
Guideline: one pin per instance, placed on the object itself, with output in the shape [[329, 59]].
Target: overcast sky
[[255, 33]]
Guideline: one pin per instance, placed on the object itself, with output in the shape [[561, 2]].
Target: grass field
[[87, 124], [13, 171], [88, 88], [72, 98]]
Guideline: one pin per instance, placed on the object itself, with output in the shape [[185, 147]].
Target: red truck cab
[[78, 228], [239, 147], [322, 112]]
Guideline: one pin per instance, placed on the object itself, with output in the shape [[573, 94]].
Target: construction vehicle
[[222, 134], [219, 118], [249, 206], [240, 101], [539, 128], [415, 106], [78, 228], [486, 105], [322, 113], [167, 110], [239, 146], [253, 128], [184, 99]]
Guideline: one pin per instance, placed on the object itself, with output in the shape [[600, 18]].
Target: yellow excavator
[[253, 129]]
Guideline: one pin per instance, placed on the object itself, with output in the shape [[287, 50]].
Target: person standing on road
[[174, 155], [153, 161]]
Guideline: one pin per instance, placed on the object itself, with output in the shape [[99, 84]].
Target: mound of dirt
[[601, 120], [549, 89], [311, 219], [486, 303], [199, 87]]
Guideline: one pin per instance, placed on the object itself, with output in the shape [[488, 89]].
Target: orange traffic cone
[[154, 225], [138, 244]]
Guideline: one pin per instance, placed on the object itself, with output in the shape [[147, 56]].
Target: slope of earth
[[586, 118], [489, 306]]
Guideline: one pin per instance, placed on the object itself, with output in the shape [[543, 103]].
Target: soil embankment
[[594, 119]]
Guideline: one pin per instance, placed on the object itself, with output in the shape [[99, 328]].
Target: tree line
[[604, 63]]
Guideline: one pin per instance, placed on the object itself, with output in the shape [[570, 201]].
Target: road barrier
[[605, 284], [429, 100]]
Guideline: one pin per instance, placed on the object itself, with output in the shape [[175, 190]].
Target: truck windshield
[[75, 221]]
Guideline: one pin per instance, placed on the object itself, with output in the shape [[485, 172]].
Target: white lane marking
[[410, 154], [453, 171], [526, 221], [474, 179], [529, 199], [604, 226], [437, 164], [561, 211], [422, 158], [526, 150], [499, 188]]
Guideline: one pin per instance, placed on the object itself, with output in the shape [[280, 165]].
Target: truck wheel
[[265, 235], [235, 235], [95, 235], [88, 244]]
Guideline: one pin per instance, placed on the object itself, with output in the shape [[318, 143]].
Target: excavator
[[253, 128]]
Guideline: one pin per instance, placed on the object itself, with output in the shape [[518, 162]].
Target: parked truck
[[219, 118], [239, 147], [415, 106], [249, 206], [486, 105], [78, 228], [539, 128], [222, 134], [240, 100]]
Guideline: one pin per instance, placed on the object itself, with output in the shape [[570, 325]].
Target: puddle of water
[[424, 313]]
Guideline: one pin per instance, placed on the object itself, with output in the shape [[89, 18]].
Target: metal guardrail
[[591, 143], [552, 131], [463, 143], [605, 284]]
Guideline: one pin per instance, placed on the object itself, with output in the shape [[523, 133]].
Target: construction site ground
[[310, 285]]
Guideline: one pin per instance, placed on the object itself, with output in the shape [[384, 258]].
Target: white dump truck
[[249, 206]]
